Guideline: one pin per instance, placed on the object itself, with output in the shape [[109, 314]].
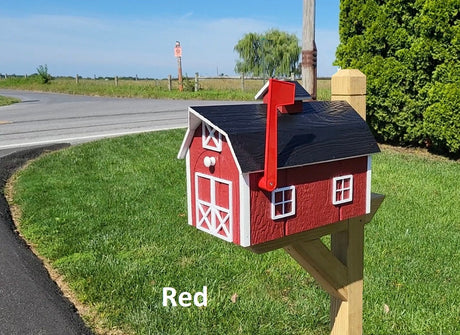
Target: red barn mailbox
[[284, 173], [260, 172]]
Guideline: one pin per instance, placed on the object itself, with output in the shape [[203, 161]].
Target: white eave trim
[[194, 120], [193, 123], [368, 184], [260, 95], [245, 210]]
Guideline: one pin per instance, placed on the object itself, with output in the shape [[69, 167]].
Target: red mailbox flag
[[280, 93]]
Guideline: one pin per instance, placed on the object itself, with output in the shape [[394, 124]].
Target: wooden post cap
[[350, 85], [348, 82]]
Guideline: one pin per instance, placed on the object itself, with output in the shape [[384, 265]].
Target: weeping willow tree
[[273, 54]]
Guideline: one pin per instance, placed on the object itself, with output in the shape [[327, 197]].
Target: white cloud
[[87, 46]]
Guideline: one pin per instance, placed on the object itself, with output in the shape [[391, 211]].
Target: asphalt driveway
[[30, 301]]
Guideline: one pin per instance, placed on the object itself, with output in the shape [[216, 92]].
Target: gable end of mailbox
[[216, 189]]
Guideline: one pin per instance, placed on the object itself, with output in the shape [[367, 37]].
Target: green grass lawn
[[110, 216]]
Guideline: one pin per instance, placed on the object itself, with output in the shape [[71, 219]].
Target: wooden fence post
[[242, 82], [169, 82], [76, 79], [116, 80], [346, 316], [197, 86], [340, 270], [350, 85], [347, 246]]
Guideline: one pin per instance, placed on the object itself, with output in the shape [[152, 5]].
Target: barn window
[[211, 138], [283, 202], [342, 189]]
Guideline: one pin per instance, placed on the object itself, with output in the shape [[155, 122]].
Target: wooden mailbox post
[[282, 174]]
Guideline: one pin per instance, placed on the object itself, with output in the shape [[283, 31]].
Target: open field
[[110, 217], [210, 88]]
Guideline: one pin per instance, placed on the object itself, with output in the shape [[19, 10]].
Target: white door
[[214, 206]]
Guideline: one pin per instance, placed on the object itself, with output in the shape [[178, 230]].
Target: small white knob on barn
[[209, 161]]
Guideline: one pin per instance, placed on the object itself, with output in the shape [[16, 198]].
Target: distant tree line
[[409, 50]]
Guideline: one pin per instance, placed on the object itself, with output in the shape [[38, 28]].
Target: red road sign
[[178, 51]]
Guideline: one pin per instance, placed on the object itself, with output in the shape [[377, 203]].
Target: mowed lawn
[[111, 218]]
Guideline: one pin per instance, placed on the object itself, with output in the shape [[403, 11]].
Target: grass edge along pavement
[[112, 220], [5, 101], [26, 279]]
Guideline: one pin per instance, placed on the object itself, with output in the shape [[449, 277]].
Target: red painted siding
[[314, 206], [262, 227], [225, 168]]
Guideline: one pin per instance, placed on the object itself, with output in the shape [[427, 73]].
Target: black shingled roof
[[323, 131]]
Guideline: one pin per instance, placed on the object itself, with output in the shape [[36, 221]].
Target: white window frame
[[284, 202], [211, 138], [341, 190]]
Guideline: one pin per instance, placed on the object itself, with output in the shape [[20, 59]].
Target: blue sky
[[128, 38]]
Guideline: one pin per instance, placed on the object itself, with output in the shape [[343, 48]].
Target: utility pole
[[309, 52]]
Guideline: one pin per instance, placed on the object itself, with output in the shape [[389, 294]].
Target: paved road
[[44, 118], [30, 302]]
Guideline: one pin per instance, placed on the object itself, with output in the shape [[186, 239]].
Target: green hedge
[[441, 118], [409, 51]]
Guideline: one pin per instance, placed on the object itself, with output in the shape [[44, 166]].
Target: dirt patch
[[420, 152]]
